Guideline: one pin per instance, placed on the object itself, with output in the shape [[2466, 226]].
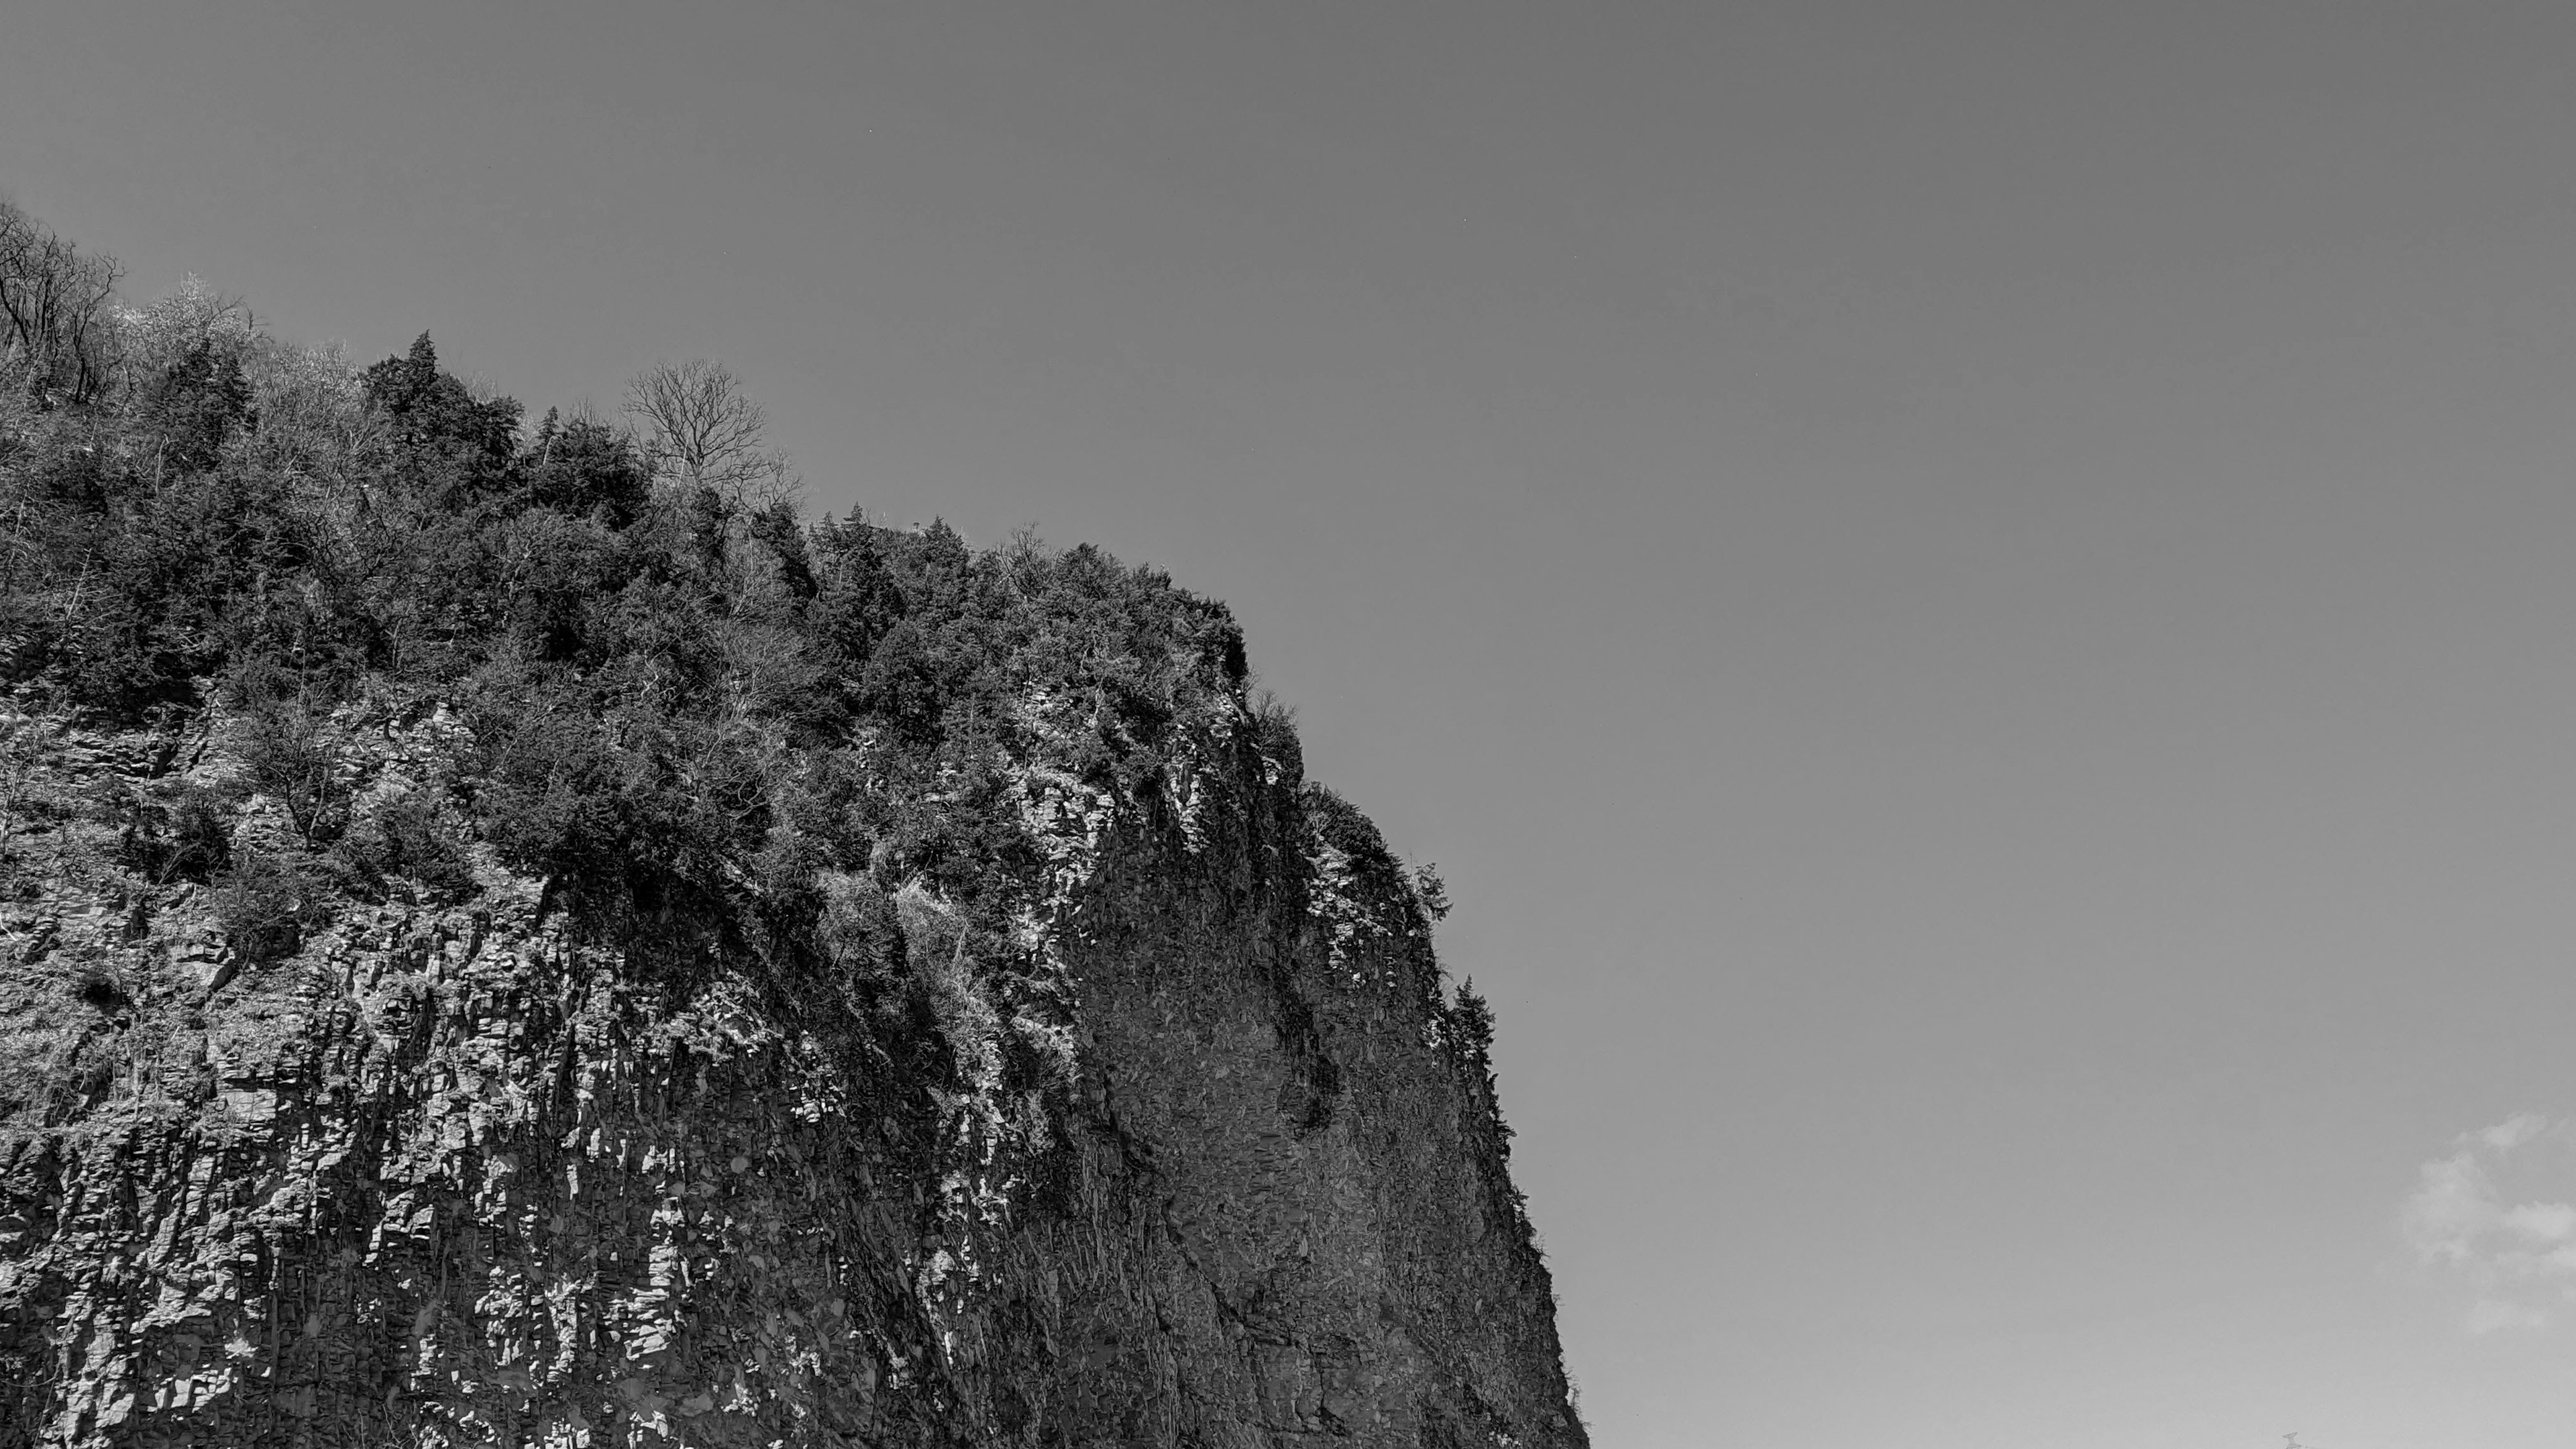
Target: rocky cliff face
[[512, 936], [1184, 1146]]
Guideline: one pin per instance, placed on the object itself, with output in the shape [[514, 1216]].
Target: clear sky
[[1975, 599]]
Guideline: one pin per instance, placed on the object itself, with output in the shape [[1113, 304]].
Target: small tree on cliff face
[[703, 431]]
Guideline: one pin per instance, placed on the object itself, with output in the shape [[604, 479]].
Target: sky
[[1973, 599]]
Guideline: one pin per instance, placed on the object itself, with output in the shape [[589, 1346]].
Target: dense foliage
[[687, 706]]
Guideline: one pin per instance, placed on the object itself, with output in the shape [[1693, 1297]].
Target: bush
[[262, 903], [188, 839]]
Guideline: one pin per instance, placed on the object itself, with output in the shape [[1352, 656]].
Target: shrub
[[188, 839], [288, 757], [262, 903]]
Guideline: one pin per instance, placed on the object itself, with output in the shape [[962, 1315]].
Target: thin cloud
[[2453, 1206], [2514, 1131], [2491, 1315], [2542, 1222], [2518, 1256]]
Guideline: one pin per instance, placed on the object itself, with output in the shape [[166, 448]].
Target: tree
[[703, 431], [455, 447], [585, 467], [57, 319], [193, 319]]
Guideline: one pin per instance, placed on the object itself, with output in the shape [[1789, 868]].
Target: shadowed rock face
[[1188, 1149]]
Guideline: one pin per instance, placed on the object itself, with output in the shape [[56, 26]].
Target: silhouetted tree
[[455, 449], [704, 431]]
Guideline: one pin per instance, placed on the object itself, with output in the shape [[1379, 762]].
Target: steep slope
[[507, 947]]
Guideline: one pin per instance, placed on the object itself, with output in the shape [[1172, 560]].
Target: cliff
[[505, 947]]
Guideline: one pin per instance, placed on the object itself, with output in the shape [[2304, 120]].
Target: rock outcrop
[[1189, 1146], [513, 936]]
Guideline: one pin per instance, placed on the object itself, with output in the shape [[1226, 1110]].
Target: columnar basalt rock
[[1195, 1151]]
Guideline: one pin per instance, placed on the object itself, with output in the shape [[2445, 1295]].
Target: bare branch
[[701, 429], [57, 332]]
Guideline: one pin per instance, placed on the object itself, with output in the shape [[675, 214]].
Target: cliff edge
[[505, 944]]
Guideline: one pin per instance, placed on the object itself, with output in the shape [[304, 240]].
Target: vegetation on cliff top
[[687, 704], [824, 806]]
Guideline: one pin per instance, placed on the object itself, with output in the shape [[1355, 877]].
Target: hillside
[[513, 936]]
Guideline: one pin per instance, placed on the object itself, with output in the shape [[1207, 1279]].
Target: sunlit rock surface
[[460, 1175]]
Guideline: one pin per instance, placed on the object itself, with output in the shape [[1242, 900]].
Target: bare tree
[[57, 319], [702, 429]]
